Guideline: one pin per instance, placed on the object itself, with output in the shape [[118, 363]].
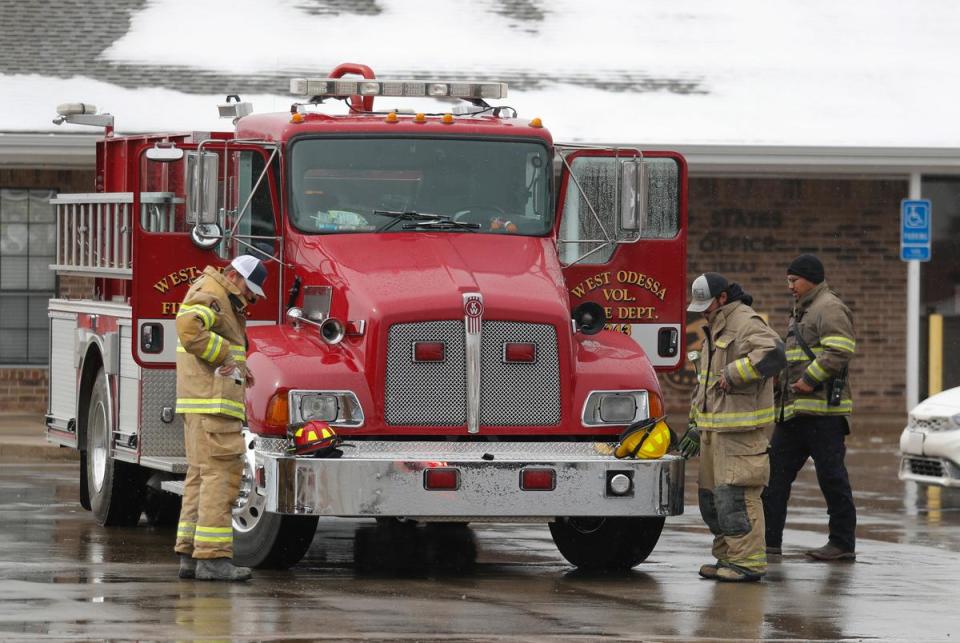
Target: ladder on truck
[[94, 231]]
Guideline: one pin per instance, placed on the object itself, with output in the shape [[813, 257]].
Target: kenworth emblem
[[473, 322]]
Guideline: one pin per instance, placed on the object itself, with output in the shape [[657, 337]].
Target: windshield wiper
[[406, 215], [442, 224]]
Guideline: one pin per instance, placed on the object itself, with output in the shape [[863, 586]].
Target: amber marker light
[[392, 118], [447, 119], [297, 118], [656, 405], [278, 413], [420, 118], [536, 123]]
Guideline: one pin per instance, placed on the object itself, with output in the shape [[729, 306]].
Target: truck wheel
[[606, 544], [115, 489], [263, 539]]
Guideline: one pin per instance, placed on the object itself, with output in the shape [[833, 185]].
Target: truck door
[[623, 242], [168, 254]]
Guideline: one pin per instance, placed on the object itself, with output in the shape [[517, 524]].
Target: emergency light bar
[[337, 87]]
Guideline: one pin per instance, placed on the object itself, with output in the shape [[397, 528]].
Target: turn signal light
[[538, 479], [441, 479], [447, 119], [656, 405], [278, 414]]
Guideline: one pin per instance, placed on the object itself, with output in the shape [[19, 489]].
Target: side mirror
[[633, 195], [167, 154], [206, 235], [201, 182]]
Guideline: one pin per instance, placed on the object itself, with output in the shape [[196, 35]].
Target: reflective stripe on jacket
[[210, 329], [741, 347], [826, 325]]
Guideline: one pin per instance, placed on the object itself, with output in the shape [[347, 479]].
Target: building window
[[27, 248]]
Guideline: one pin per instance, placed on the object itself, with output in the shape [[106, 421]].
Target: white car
[[931, 442]]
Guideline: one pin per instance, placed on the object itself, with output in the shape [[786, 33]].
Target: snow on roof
[[743, 72]]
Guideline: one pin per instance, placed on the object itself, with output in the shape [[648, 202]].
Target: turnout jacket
[[826, 325], [740, 346], [211, 328]]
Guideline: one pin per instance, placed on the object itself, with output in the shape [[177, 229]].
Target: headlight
[[615, 407], [339, 408], [955, 420]]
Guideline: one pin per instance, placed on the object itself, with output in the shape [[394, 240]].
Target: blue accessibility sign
[[915, 215]]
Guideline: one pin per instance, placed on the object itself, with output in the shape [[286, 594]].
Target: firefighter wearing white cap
[[731, 404], [211, 377]]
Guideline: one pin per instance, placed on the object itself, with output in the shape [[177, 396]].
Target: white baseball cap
[[705, 289], [253, 272]]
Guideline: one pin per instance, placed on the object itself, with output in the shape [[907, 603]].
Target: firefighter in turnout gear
[[813, 409], [731, 404], [211, 377]]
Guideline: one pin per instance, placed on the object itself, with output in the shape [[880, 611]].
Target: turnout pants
[[822, 438], [215, 464], [733, 471]]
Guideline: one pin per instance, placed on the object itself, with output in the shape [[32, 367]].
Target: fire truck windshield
[[500, 187]]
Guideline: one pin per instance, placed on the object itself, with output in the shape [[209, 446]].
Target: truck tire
[[116, 489], [606, 544], [262, 539], [274, 541]]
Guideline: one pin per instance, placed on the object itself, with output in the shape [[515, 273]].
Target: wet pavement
[[64, 577]]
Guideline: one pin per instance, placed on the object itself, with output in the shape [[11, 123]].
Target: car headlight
[[615, 407], [339, 408], [955, 420]]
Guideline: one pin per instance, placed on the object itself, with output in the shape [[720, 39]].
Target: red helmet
[[314, 438]]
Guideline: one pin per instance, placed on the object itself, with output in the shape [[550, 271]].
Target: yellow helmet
[[647, 439]]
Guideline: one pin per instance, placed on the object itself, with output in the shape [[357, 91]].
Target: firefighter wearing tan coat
[[814, 409], [211, 377], [731, 404]]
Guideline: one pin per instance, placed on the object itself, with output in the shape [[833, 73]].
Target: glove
[[690, 443]]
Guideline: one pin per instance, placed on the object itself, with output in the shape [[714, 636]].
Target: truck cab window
[[342, 185], [250, 206], [589, 230]]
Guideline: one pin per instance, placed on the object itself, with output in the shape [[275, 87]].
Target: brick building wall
[[25, 389], [750, 229]]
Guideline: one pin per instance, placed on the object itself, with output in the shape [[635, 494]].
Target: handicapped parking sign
[[915, 229]]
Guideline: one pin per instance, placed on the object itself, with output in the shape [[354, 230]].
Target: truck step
[[173, 486], [161, 463]]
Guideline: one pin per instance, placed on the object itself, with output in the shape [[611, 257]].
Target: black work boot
[[831, 551], [221, 569], [188, 566]]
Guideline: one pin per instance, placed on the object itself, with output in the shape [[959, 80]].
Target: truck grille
[[434, 393]]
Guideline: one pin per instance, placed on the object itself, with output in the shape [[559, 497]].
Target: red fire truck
[[478, 311]]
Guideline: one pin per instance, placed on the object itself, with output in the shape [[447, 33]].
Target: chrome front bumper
[[386, 479]]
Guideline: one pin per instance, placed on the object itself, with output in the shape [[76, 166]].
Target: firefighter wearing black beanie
[[813, 410], [808, 267]]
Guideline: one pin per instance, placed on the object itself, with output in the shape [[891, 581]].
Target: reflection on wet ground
[[61, 576]]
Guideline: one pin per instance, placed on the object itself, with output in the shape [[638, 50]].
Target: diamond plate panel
[[157, 438], [519, 394], [429, 393]]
